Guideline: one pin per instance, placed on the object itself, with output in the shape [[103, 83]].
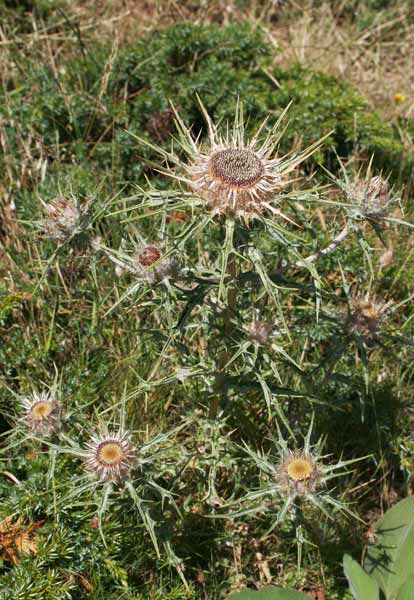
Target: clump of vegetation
[[78, 111], [207, 349]]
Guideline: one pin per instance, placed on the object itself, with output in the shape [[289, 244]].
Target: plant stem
[[231, 274], [324, 251]]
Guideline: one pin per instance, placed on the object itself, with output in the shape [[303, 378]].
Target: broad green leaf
[[390, 560], [269, 593], [362, 586], [406, 592]]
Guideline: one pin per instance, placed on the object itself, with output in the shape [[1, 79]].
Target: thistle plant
[[147, 261], [368, 198], [109, 455], [115, 465], [224, 294], [292, 480], [65, 218], [199, 254], [366, 316], [232, 176], [260, 331], [42, 412], [38, 414]]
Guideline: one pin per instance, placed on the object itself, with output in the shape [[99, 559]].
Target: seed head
[[147, 262], [233, 179], [63, 219], [148, 256], [43, 413], [110, 456]]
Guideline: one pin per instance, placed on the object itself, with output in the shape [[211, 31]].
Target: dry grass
[[376, 59]]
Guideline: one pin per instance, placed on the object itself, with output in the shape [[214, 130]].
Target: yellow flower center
[[236, 167], [110, 453], [41, 410], [299, 469]]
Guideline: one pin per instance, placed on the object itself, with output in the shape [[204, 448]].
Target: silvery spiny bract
[[292, 475], [42, 412], [231, 175]]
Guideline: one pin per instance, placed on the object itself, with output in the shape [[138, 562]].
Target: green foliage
[[389, 559], [406, 590], [80, 112], [362, 586], [322, 103], [269, 593], [388, 564]]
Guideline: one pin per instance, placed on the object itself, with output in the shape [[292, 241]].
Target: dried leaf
[[15, 540]]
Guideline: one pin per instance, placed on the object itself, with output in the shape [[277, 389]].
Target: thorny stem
[[298, 524], [232, 272], [119, 263], [230, 311], [324, 251]]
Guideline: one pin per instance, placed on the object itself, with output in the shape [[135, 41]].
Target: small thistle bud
[[298, 474], [260, 332], [366, 317], [96, 243], [62, 219], [110, 456], [372, 197], [150, 264], [377, 198], [43, 413], [148, 256], [182, 374], [160, 124]]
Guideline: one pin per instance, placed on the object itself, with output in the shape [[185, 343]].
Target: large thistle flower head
[[230, 174], [110, 455], [236, 176], [299, 473], [303, 472], [42, 412]]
